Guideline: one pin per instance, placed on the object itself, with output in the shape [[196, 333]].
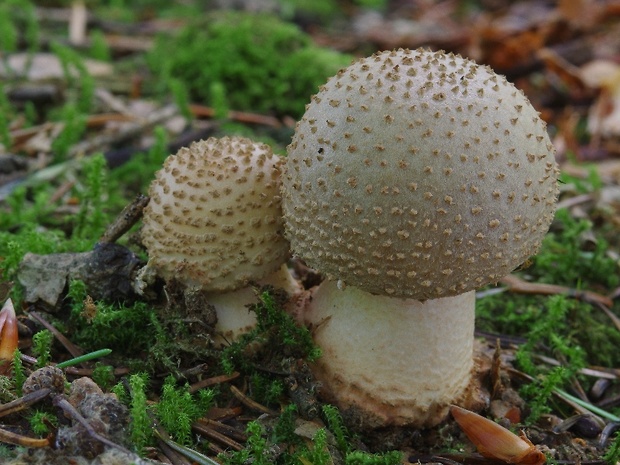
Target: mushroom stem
[[365, 340], [233, 315]]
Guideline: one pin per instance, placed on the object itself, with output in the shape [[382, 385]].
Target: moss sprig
[[178, 409], [318, 453], [19, 374], [6, 112], [72, 63], [42, 347], [612, 455], [91, 219], [8, 29], [74, 127], [141, 424], [256, 450], [336, 426], [41, 422]]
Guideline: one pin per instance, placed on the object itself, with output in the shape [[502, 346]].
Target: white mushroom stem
[[392, 361], [233, 315]]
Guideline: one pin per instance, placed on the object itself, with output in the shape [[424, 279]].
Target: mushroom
[[214, 223], [413, 178]]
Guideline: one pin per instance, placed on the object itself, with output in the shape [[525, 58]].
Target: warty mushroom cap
[[214, 220], [418, 174]]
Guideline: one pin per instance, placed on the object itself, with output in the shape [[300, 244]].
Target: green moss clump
[[256, 450], [40, 422], [103, 375], [573, 254], [564, 260], [123, 328], [178, 409], [264, 64], [550, 330]]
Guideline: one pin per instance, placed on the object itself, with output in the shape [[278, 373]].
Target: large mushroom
[[413, 178], [214, 224]]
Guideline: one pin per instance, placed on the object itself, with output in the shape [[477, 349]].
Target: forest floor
[[95, 97]]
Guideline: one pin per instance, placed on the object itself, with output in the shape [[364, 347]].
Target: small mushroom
[[214, 223], [413, 178]]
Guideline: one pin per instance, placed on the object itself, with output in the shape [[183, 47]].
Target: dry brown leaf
[[567, 73], [579, 13]]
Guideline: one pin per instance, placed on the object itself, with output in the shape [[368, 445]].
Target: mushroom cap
[[214, 220], [418, 174]]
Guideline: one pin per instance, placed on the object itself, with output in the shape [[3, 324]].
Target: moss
[[591, 183], [264, 444], [321, 9], [99, 49], [73, 64], [551, 329], [26, 206], [276, 331], [134, 177], [364, 458], [336, 426], [612, 455], [8, 29], [264, 64], [28, 222], [6, 115], [7, 388], [539, 392], [103, 375], [141, 424], [178, 409], [42, 347], [563, 258], [318, 454], [19, 374], [42, 422], [124, 328], [256, 448], [92, 219], [573, 254]]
